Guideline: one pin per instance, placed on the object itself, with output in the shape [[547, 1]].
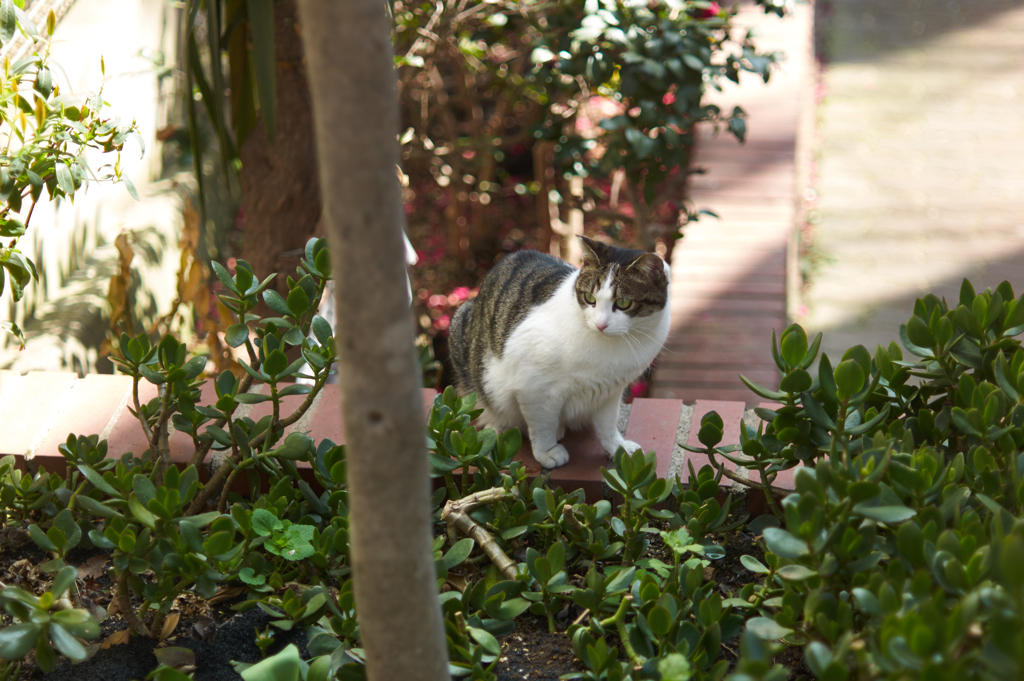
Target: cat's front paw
[[630, 446], [627, 445], [554, 457]]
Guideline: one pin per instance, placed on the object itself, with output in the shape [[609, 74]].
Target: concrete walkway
[[729, 276], [917, 182], [920, 163]]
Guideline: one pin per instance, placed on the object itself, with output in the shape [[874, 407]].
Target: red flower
[[711, 11]]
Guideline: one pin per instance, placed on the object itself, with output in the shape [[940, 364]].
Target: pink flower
[[669, 98], [713, 10], [443, 322], [638, 389]]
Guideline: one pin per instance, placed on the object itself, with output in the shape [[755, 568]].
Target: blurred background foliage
[[523, 125]]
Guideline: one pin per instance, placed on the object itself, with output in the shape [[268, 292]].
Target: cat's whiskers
[[663, 349], [630, 340]]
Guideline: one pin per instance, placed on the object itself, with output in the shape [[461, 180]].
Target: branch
[[455, 514]]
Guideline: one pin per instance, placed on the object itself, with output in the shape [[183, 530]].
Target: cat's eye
[[623, 303], [589, 298]]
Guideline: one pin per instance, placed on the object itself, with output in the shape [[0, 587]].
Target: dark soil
[[217, 634], [531, 652], [234, 639]]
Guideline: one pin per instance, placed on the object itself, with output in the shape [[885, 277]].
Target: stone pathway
[[918, 182], [729, 276], [920, 164]]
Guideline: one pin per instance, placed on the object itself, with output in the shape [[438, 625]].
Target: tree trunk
[[280, 192], [352, 80]]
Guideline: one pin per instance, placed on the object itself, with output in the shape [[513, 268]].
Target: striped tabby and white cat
[[548, 347]]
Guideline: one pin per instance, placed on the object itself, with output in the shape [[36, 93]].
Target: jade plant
[[895, 556], [898, 554]]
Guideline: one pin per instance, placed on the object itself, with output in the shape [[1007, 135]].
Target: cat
[[547, 346]]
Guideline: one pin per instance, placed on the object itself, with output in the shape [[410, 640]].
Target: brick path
[[729, 276]]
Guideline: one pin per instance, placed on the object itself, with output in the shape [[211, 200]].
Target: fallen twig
[[456, 515]]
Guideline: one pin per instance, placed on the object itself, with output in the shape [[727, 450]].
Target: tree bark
[[280, 192], [352, 81]]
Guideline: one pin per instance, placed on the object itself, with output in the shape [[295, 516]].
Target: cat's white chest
[[556, 357]]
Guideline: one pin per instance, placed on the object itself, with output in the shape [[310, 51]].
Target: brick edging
[[43, 408]]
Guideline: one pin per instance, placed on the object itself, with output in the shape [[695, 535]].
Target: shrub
[[897, 555], [48, 134], [566, 110]]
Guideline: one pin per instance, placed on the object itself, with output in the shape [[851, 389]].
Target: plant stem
[[455, 514], [124, 604], [619, 620]]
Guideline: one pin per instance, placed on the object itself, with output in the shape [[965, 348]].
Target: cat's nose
[[601, 326]]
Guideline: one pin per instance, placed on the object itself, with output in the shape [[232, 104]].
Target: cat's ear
[[649, 266], [592, 250]]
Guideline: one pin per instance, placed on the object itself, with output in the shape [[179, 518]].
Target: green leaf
[[276, 303], [320, 669], [130, 186], [459, 552], [512, 608], [276, 363], [46, 657], [40, 538], [97, 480], [556, 556], [144, 488], [794, 346], [298, 301], [797, 381], [753, 564], [65, 522], [141, 513], [95, 507], [885, 514], [224, 276], [782, 543], [18, 639], [79, 622], [849, 378], [66, 643], [322, 330], [63, 580], [443, 464], [659, 620], [264, 522], [284, 666], [190, 532], [8, 22], [194, 366], [767, 629], [64, 179], [862, 428], [816, 413], [675, 667], [911, 346], [245, 398], [485, 639], [919, 333], [762, 392], [795, 573], [236, 335], [294, 447], [264, 60]]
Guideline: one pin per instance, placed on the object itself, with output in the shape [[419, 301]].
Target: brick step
[[62, 404]]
